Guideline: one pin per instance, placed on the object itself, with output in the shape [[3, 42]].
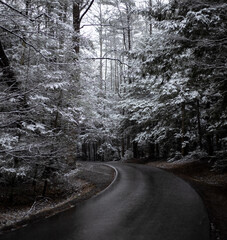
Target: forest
[[110, 80]]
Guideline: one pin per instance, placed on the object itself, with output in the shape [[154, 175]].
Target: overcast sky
[[89, 31]]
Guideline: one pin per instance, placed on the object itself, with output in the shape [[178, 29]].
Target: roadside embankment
[[83, 182]]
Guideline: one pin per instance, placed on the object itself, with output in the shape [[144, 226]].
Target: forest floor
[[85, 181], [211, 186]]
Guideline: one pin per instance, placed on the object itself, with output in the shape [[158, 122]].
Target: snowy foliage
[[147, 82], [174, 103]]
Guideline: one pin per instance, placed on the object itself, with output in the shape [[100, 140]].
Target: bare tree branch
[[88, 25], [84, 5], [84, 13], [107, 58]]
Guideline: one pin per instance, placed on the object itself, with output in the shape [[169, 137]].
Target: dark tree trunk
[[210, 145], [183, 130], [84, 151], [128, 12], [8, 74], [28, 5], [218, 145], [95, 151], [89, 152], [122, 146], [151, 151], [199, 125], [11, 196], [34, 178], [44, 188], [76, 26], [135, 149], [128, 142], [77, 18], [150, 17], [157, 152]]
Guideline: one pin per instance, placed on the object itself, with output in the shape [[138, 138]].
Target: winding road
[[143, 203]]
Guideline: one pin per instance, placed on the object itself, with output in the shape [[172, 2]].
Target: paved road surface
[[143, 203]]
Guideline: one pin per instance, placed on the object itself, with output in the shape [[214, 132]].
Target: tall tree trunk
[[210, 144], [94, 152], [183, 130], [8, 75], [84, 151], [44, 188], [157, 152], [101, 46], [135, 149], [106, 68], [111, 70], [150, 17], [89, 152], [27, 4], [34, 178], [76, 26], [199, 125], [128, 12], [128, 142], [77, 18], [122, 146]]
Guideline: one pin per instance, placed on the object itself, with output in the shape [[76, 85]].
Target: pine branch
[[27, 43], [24, 15], [14, 9]]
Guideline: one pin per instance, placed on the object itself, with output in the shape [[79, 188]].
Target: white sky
[[89, 31]]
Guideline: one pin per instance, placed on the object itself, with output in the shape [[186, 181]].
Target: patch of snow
[[56, 85], [7, 140], [39, 97], [72, 173], [33, 127]]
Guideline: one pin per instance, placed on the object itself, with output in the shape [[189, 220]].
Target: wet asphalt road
[[143, 203]]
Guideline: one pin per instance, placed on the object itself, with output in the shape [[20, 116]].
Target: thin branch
[[111, 59], [103, 25], [42, 14], [86, 10], [29, 44], [14, 9], [24, 15], [85, 4]]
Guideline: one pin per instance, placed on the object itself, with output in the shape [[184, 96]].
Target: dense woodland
[[110, 80]]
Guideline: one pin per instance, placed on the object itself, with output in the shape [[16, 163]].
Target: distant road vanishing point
[[143, 203]]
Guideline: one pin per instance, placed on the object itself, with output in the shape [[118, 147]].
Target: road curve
[[143, 203]]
